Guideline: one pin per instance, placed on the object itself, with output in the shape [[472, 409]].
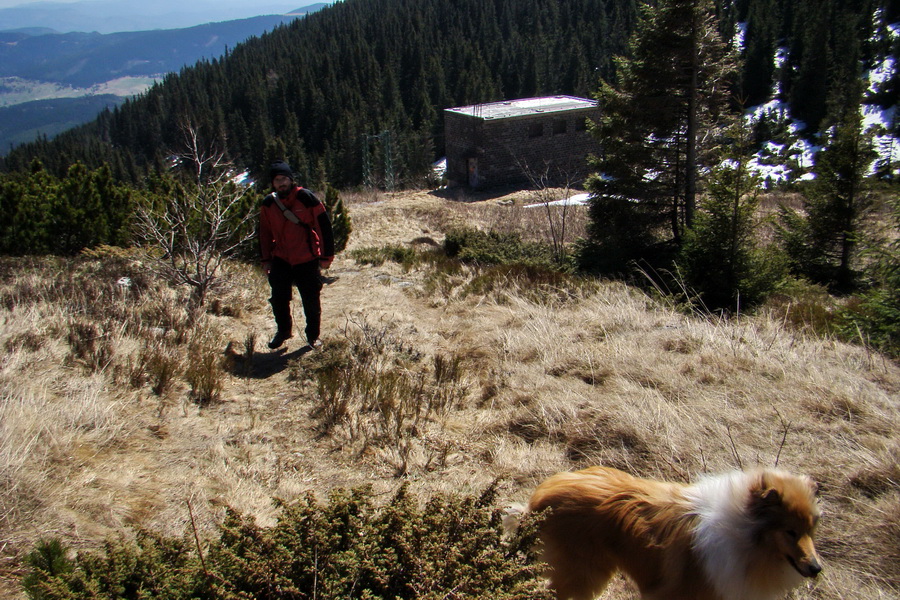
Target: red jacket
[[295, 243]]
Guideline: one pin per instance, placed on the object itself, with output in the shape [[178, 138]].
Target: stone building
[[509, 142]]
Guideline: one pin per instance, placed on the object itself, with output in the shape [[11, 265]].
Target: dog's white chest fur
[[724, 537]]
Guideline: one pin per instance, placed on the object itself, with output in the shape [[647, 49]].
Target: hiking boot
[[279, 339], [315, 344]]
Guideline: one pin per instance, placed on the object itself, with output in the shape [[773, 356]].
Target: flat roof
[[524, 106]]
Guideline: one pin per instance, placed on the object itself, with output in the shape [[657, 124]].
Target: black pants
[[282, 278]]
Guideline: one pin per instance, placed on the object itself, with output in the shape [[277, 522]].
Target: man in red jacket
[[295, 240]]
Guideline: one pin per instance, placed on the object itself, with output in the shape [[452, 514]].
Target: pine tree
[[42, 214]]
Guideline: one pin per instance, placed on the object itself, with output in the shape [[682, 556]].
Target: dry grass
[[91, 447]]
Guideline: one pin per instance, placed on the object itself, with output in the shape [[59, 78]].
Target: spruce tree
[[877, 317], [722, 259], [822, 239], [340, 218], [658, 128]]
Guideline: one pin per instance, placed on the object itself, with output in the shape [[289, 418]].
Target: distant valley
[[50, 82], [113, 16], [26, 122]]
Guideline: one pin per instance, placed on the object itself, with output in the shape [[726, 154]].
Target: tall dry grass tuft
[[90, 345], [377, 392], [204, 371], [159, 365], [23, 454]]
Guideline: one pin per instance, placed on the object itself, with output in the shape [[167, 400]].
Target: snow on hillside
[[779, 162], [792, 160], [880, 120], [567, 201]]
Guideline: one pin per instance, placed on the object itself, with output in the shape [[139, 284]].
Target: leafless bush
[[548, 190], [199, 224]]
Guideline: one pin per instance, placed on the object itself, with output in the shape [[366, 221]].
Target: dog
[[736, 536]]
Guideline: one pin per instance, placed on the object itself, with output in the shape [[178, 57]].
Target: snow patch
[[242, 178], [577, 200], [440, 167]]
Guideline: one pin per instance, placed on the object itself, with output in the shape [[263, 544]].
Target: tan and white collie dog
[[737, 536]]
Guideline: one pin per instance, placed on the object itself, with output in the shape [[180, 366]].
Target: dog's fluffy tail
[[512, 515]]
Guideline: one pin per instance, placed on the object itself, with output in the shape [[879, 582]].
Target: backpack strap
[[288, 214], [315, 245]]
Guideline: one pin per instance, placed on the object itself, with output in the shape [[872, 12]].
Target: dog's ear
[[764, 492], [770, 496]]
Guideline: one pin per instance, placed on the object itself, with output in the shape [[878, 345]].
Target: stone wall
[[488, 152]]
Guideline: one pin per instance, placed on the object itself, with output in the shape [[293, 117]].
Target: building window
[[581, 124], [559, 127], [535, 130]]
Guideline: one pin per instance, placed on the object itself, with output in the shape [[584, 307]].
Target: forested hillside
[[312, 90], [316, 86]]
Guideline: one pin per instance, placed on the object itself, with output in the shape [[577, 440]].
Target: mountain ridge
[[82, 59], [115, 16], [38, 65]]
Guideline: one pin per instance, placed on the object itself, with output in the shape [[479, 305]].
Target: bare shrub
[[548, 197], [193, 228]]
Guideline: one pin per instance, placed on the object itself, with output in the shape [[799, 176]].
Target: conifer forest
[[718, 289], [364, 82], [312, 90]]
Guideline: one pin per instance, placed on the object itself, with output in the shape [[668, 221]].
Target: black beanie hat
[[280, 168]]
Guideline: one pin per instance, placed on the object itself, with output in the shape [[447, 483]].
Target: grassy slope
[[609, 377]]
